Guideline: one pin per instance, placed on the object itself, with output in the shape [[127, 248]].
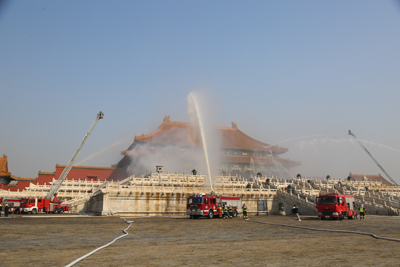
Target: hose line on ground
[[97, 249], [330, 230], [278, 224]]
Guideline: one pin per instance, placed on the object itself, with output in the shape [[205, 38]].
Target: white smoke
[[172, 149]]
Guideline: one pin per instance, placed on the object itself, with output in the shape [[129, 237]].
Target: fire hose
[[329, 230], [277, 224], [125, 234], [97, 249]]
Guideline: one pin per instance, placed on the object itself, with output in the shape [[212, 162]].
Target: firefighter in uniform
[[244, 208], [230, 212], [225, 212], [220, 211], [295, 212], [362, 212], [6, 211], [1, 209]]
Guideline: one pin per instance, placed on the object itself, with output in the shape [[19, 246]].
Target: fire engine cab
[[207, 205], [336, 206]]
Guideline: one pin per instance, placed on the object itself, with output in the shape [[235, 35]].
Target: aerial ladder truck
[[50, 203]]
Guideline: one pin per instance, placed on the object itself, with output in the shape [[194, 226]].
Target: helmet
[[6, 204], [244, 204]]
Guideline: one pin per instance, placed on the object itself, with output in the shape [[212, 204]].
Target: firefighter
[[225, 212], [295, 211], [230, 210], [1, 209], [220, 211], [244, 208], [362, 212], [6, 211]]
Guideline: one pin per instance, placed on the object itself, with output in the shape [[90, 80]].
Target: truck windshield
[[195, 201], [326, 200], [24, 201]]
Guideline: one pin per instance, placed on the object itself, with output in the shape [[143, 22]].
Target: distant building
[[180, 143], [9, 181], [13, 183], [369, 177]]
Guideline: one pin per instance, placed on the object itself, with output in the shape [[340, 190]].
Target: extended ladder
[[56, 185], [369, 154]]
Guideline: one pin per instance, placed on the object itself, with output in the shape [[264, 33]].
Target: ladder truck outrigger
[[50, 202]]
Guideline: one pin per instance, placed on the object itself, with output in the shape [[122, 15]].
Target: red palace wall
[[76, 173], [81, 172], [90, 173], [15, 187]]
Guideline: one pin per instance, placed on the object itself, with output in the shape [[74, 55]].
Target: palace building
[[177, 146], [179, 143]]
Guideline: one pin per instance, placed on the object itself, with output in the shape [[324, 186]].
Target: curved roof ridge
[[182, 134], [250, 137], [226, 128], [254, 142], [166, 121]]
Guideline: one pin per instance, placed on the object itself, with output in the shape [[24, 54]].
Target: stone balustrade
[[78, 192]]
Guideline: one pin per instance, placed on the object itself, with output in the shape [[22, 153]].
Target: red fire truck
[[35, 205], [336, 206], [13, 204], [50, 204], [207, 205]]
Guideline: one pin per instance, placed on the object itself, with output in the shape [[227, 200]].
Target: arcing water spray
[[192, 101]]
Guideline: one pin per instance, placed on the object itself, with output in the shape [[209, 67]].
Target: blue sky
[[305, 71]]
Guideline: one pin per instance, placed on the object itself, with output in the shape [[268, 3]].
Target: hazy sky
[[296, 73]]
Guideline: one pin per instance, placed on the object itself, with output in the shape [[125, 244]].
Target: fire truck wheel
[[322, 218], [210, 214], [191, 217], [235, 213], [16, 211], [61, 210], [34, 211]]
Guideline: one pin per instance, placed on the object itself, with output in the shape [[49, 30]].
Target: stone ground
[[160, 241]]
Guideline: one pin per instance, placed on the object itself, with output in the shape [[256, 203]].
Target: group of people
[[295, 212], [6, 208], [227, 211]]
